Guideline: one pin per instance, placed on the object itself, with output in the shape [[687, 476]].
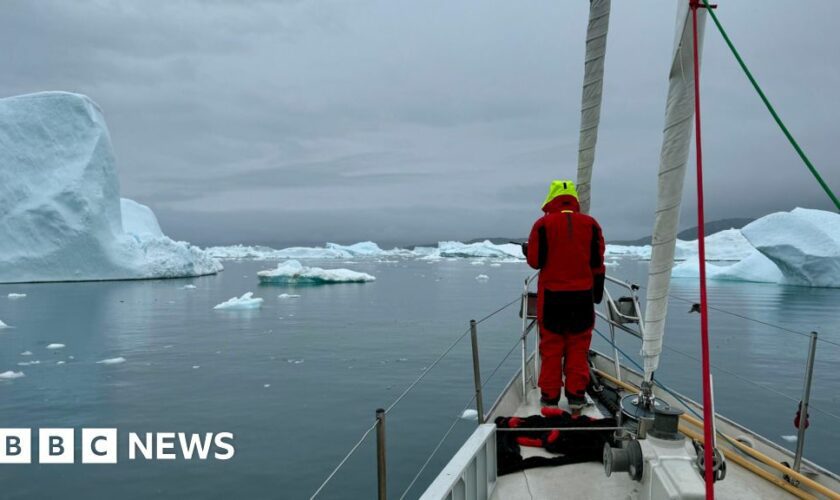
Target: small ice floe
[[482, 277], [293, 361], [288, 296], [266, 385], [111, 361], [196, 367], [15, 296], [56, 346], [188, 287], [294, 272], [26, 353], [495, 264], [790, 439], [59, 362], [71, 357], [469, 414], [402, 360], [29, 363], [10, 375], [3, 325], [246, 301], [477, 263]]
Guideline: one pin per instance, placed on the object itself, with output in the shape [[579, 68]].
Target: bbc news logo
[[99, 446]]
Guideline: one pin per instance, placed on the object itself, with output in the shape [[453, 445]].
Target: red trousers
[[564, 354]]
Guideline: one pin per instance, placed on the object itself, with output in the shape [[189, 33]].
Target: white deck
[[588, 480]]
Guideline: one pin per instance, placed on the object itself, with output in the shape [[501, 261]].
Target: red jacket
[[568, 249]]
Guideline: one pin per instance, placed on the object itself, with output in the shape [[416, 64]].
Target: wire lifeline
[[346, 457], [778, 327], [770, 108], [443, 355], [455, 422], [404, 393]]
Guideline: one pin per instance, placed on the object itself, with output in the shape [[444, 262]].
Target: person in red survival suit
[[568, 249]]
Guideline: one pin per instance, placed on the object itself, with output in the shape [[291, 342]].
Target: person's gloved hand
[[525, 249]]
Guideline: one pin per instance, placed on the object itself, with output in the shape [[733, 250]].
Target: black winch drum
[[631, 412]]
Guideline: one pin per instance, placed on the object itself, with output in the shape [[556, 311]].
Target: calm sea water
[[298, 380]]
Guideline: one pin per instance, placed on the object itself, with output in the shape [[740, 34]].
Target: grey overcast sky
[[411, 121]]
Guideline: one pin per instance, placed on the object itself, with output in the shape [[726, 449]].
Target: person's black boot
[[576, 402], [546, 401]]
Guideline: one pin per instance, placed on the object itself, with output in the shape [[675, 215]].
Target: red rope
[[708, 404]]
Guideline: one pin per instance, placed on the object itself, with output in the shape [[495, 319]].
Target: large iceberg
[[804, 244], [801, 247], [61, 216], [293, 272]]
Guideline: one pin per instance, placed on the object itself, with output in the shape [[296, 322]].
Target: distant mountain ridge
[[689, 234]]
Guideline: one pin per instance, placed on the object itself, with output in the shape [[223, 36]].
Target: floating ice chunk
[[470, 414], [14, 296], [293, 271], [482, 277], [3, 325], [56, 346], [288, 296], [196, 367], [111, 361], [293, 361], [59, 362], [246, 301], [10, 375], [26, 353], [266, 385], [477, 263], [803, 243], [495, 264], [29, 363], [188, 287], [790, 439]]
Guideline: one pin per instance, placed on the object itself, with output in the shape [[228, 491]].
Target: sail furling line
[[590, 105], [676, 140], [708, 399]]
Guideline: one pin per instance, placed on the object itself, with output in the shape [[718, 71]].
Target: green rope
[[770, 108]]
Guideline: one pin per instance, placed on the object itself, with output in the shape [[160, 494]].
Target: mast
[[590, 106], [679, 113]]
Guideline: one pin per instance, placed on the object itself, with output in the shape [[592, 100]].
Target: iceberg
[[293, 272], [756, 268], [111, 361], [330, 251], [804, 244], [246, 301], [14, 296], [61, 215], [483, 249], [10, 375], [56, 346], [727, 245]]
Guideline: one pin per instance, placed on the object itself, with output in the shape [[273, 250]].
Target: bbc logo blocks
[[57, 446]]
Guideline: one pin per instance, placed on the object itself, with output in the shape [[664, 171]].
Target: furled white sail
[[590, 107], [679, 115]]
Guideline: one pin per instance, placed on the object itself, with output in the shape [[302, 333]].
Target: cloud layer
[[303, 121]]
